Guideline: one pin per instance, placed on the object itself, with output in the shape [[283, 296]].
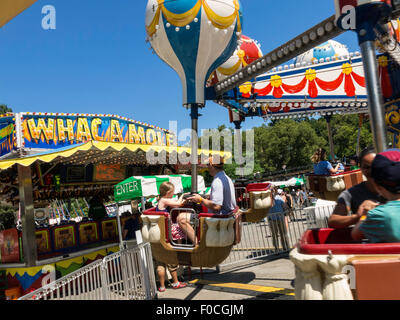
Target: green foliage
[[4, 109], [293, 142], [287, 142]]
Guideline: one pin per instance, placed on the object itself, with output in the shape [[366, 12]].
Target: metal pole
[[27, 216], [121, 239], [195, 145], [375, 99]]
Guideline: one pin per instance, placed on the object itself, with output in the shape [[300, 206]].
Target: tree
[[288, 143], [4, 109]]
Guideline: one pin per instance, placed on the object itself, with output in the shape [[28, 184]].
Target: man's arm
[[339, 218], [207, 203]]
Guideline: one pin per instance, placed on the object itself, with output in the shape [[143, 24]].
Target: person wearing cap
[[382, 224], [277, 220], [222, 196], [363, 197]]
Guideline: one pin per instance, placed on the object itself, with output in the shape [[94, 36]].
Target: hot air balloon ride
[[194, 37], [248, 51]]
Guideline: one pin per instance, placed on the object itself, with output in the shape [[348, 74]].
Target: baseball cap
[[386, 170], [216, 161]]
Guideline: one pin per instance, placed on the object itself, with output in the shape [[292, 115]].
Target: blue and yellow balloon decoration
[[194, 37]]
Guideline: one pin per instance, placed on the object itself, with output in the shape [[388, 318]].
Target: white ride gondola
[[215, 234]]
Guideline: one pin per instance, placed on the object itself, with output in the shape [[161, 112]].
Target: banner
[[7, 134], [54, 131]]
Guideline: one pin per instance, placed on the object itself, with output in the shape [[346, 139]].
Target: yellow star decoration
[[245, 87], [276, 81], [347, 68], [383, 61], [311, 74]]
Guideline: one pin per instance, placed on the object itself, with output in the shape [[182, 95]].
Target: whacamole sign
[[56, 131]]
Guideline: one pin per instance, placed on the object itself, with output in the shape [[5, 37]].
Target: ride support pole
[[363, 17], [27, 215], [194, 114], [375, 98], [120, 235]]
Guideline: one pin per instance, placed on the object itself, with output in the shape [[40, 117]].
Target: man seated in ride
[[321, 165], [222, 197], [382, 224], [353, 202]]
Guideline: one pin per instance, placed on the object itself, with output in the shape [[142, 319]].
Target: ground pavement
[[270, 278]]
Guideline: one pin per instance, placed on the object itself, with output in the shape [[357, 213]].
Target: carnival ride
[[353, 83], [195, 38]]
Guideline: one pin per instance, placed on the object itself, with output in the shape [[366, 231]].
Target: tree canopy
[[290, 143]]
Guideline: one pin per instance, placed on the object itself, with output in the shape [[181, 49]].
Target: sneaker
[[179, 285], [161, 289]]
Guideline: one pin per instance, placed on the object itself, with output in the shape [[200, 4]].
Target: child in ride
[[166, 203]]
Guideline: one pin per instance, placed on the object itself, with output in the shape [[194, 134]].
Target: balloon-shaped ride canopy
[[330, 49], [194, 37], [247, 51]]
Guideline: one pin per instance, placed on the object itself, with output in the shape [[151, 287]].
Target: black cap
[[386, 170]]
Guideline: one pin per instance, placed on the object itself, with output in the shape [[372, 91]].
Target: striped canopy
[[148, 186], [11, 8]]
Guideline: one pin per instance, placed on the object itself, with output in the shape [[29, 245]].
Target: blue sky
[[97, 60]]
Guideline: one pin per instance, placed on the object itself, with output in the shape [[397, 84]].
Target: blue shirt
[[223, 193], [383, 223], [276, 212], [322, 168]]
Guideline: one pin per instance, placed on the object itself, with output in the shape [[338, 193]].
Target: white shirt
[[223, 193]]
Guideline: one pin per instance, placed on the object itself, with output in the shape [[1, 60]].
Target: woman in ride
[[166, 204], [321, 165]]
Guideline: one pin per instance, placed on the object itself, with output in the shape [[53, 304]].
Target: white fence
[[276, 234], [125, 275]]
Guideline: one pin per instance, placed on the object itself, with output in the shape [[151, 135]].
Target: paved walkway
[[267, 279]]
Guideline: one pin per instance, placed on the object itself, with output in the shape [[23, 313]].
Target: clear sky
[[97, 60]]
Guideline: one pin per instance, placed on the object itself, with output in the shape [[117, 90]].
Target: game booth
[[52, 165]]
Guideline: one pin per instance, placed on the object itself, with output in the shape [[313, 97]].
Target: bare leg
[[161, 276], [185, 225]]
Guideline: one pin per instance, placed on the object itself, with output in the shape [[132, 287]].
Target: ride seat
[[377, 280]]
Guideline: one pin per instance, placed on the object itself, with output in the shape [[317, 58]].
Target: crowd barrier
[[276, 234], [125, 275]]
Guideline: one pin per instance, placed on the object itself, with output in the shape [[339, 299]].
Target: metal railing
[[125, 275], [276, 234]]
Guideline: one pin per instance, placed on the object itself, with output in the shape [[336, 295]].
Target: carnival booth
[[52, 165]]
